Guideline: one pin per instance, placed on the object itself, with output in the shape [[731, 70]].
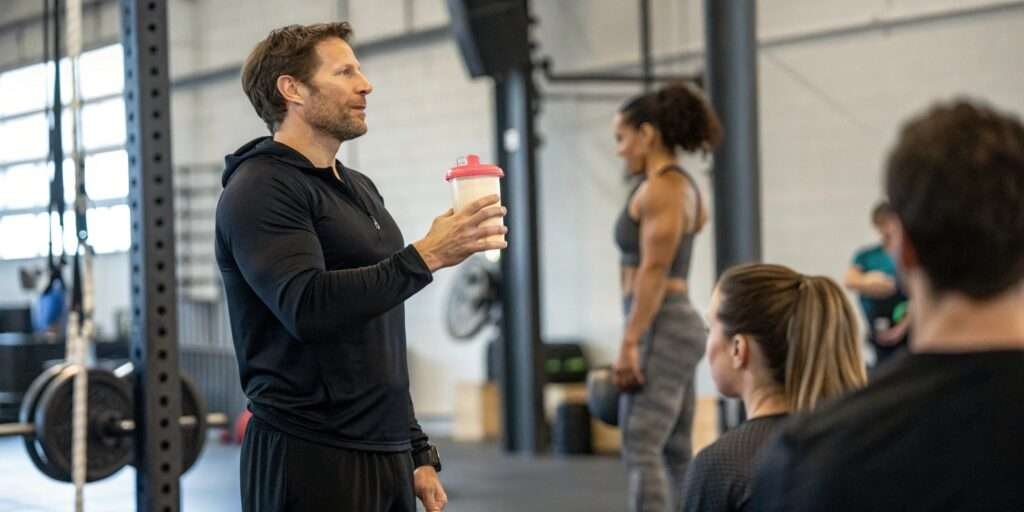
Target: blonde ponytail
[[824, 359]]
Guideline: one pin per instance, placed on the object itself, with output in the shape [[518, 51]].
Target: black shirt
[[315, 272], [938, 432], [718, 479]]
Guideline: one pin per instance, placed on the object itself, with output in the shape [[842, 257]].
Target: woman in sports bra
[[664, 335]]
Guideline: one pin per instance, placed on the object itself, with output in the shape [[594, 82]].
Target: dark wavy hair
[[680, 113]]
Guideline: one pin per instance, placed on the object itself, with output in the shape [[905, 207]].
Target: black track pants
[[282, 473]]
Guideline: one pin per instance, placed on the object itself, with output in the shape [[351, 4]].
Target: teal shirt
[[874, 258]]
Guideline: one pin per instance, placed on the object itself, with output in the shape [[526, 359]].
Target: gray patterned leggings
[[656, 421]]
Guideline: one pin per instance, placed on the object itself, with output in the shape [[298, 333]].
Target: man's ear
[[292, 90], [903, 252]]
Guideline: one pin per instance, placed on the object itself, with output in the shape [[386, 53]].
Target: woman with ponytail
[[664, 334], [783, 342]]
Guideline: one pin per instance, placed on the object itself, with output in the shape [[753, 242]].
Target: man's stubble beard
[[339, 122]]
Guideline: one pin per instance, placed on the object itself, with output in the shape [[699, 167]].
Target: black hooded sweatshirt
[[316, 273]]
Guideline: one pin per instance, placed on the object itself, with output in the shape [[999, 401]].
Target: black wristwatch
[[427, 457]]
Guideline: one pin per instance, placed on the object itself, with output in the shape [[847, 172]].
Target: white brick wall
[[423, 114], [830, 112]]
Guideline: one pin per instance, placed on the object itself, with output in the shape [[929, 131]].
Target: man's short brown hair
[[956, 181], [286, 51]]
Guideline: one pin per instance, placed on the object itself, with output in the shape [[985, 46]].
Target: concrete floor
[[477, 477]]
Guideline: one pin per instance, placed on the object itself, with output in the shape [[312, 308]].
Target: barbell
[[46, 424]]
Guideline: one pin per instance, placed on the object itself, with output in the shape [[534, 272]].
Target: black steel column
[[646, 61], [158, 438], [521, 379], [730, 27]]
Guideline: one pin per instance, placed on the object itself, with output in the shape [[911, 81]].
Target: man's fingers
[[440, 498], [487, 213], [481, 203], [486, 231], [429, 502], [489, 245]]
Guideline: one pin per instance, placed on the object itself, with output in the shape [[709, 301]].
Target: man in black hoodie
[[316, 272]]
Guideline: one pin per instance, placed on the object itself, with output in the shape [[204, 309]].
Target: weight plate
[[193, 437], [109, 400], [27, 414]]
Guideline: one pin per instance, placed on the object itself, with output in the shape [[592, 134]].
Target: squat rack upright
[[154, 352]]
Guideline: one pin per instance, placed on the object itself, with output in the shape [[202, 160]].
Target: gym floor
[[478, 478]]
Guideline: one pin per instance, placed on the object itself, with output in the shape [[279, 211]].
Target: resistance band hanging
[[52, 303], [56, 157]]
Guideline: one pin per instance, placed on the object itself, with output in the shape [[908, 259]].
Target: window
[[110, 228], [106, 175], [102, 72], [103, 125], [24, 89], [25, 175], [29, 229], [24, 186], [24, 138]]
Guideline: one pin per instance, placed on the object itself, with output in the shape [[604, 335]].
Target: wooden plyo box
[[477, 412]]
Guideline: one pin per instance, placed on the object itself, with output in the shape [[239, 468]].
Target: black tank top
[[627, 234]]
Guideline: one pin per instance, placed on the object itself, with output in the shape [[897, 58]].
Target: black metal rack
[[154, 292]]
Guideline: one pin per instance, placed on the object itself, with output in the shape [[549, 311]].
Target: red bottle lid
[[470, 167]]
